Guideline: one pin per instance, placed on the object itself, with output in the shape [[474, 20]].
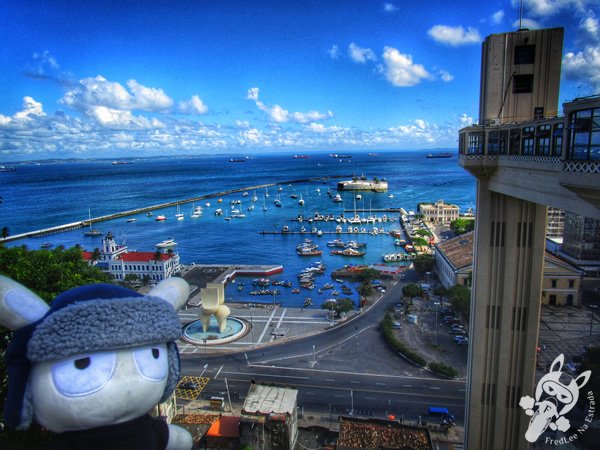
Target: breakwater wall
[[85, 223]]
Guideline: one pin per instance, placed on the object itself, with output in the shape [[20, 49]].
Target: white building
[[118, 262], [439, 212]]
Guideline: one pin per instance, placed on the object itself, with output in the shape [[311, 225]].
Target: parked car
[[459, 337], [457, 331], [189, 385]]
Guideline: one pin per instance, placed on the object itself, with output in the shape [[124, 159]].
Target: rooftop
[[458, 250], [358, 433], [263, 399]]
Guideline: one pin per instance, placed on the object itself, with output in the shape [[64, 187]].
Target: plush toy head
[[99, 355]]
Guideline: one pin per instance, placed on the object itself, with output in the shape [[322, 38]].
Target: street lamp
[[314, 356]]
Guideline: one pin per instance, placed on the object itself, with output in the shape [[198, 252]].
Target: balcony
[[548, 161]]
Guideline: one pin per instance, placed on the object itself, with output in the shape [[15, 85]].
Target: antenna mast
[[521, 16]]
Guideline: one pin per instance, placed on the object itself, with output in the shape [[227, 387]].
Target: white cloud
[[454, 36], [400, 70], [334, 52], [118, 118], [583, 67], [31, 108], [279, 114], [498, 17], [590, 25], [527, 23], [148, 99], [242, 124], [253, 94], [446, 76], [547, 8], [359, 54], [98, 91], [390, 7], [465, 121], [195, 105]]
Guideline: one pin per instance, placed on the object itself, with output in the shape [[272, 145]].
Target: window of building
[[515, 142], [493, 142], [503, 142], [476, 141], [557, 139], [528, 141], [554, 283], [571, 284], [524, 54], [542, 140], [522, 84], [584, 135]]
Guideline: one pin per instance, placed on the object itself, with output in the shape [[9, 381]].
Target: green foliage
[[443, 369], [420, 242], [424, 263], [412, 290], [462, 226], [423, 233], [5, 232], [341, 305], [364, 290], [440, 290], [368, 275], [460, 298], [47, 273], [400, 347]]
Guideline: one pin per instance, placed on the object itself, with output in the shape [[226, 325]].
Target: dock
[[317, 232], [85, 223]]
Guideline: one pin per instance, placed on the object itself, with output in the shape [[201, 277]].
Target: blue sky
[[141, 78]]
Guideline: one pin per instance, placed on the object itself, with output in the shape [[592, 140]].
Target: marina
[[259, 239]]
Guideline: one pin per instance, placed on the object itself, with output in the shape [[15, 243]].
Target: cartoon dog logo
[[555, 395]]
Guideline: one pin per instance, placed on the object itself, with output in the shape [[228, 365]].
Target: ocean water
[[39, 196]]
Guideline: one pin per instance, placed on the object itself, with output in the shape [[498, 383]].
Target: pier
[[85, 223]]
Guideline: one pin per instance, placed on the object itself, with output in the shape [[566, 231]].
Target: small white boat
[[218, 212], [167, 243], [337, 198], [160, 218], [301, 201], [133, 219]]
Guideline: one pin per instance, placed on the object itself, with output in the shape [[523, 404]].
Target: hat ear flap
[[18, 305], [174, 291]]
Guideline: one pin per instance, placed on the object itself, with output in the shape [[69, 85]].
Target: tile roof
[[458, 250]]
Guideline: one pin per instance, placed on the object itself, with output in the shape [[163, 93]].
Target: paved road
[[346, 368]]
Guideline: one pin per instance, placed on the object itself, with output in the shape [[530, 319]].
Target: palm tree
[[5, 232]]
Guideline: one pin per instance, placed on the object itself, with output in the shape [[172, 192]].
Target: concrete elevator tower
[[525, 158]]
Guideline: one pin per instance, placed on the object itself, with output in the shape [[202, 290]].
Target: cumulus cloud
[[334, 52], [360, 55], [590, 25], [446, 76], [31, 108], [278, 114], [454, 36], [195, 105], [583, 67], [242, 124], [498, 17], [390, 7], [44, 66], [98, 91], [527, 23], [400, 70]]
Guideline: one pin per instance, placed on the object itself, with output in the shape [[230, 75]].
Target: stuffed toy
[[91, 365]]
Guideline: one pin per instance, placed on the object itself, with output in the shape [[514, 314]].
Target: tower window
[[524, 54], [522, 84]]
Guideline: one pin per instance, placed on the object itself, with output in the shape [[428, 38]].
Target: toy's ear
[[175, 291], [559, 361], [18, 305], [583, 378]]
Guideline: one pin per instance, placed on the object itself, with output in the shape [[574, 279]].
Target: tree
[[368, 275], [364, 290], [47, 273], [412, 290], [341, 305], [157, 255], [423, 233], [5, 232], [462, 226], [420, 242], [460, 298], [96, 255], [424, 263]]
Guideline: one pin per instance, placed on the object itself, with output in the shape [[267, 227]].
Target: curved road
[[346, 369]]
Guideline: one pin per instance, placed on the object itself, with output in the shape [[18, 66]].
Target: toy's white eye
[[152, 362], [83, 375]]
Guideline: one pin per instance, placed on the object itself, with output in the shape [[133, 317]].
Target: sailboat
[[267, 192], [91, 231], [254, 198], [264, 204], [301, 201], [179, 215]]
